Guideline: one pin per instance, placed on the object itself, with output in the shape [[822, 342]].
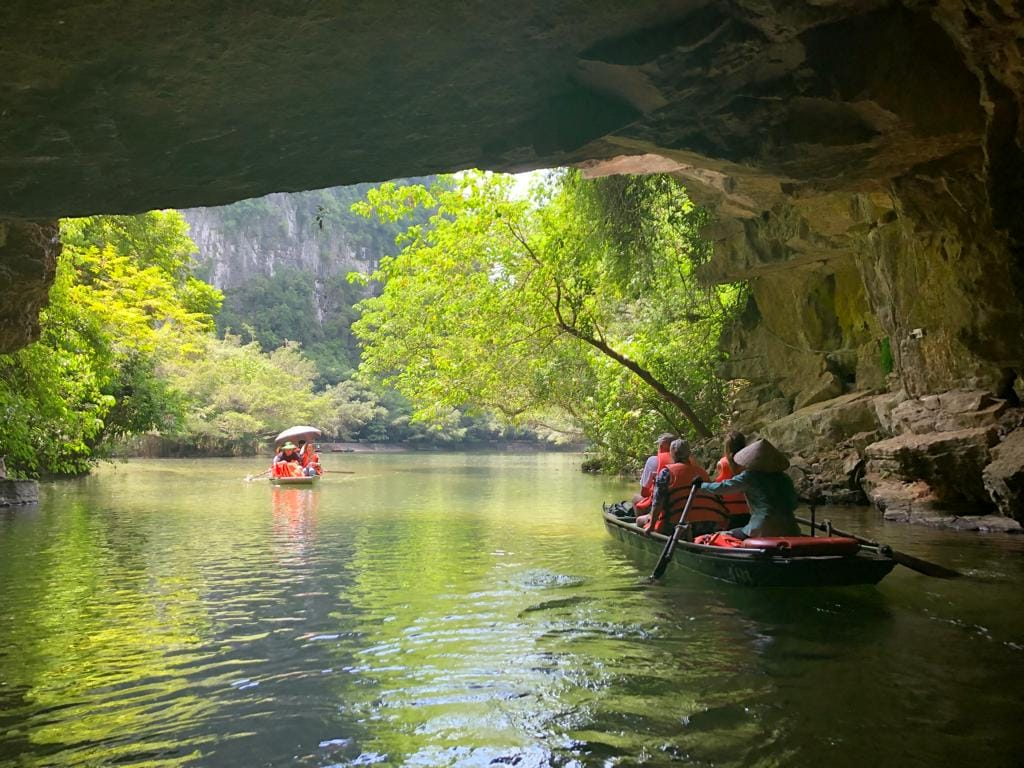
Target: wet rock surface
[[18, 492], [1004, 476], [28, 261]]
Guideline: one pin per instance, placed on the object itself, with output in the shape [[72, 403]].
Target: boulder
[[949, 411], [949, 463], [16, 492], [826, 387], [1003, 478], [822, 426]]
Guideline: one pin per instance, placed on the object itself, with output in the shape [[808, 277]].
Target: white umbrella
[[298, 433]]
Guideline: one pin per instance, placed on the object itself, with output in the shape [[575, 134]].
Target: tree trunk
[[646, 376]]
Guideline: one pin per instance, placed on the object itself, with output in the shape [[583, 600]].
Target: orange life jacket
[[704, 508], [287, 469], [647, 491], [311, 458], [735, 503]]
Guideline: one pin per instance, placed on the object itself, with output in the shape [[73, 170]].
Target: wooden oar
[[913, 563], [250, 478], [340, 471], [670, 545]]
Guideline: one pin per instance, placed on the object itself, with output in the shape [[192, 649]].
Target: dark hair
[[735, 441]]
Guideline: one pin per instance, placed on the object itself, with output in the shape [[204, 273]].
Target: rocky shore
[[952, 460]]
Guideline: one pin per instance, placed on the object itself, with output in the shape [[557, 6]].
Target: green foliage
[[237, 394], [274, 310], [885, 354], [583, 298], [123, 303]]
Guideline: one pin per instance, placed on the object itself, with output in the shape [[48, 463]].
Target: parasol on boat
[[300, 432]]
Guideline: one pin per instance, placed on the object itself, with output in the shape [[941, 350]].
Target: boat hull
[[312, 480], [758, 568]]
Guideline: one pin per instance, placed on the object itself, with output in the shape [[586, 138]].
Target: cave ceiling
[[768, 109]]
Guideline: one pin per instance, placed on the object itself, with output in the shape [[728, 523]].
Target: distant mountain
[[282, 262], [314, 232]]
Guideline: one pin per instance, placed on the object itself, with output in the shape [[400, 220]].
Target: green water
[[447, 609]]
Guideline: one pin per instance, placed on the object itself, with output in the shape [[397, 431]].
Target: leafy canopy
[[123, 302], [582, 298]]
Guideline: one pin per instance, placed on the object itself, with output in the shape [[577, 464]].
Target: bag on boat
[[718, 539], [621, 509]]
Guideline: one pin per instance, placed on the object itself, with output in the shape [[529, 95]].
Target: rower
[[769, 491]]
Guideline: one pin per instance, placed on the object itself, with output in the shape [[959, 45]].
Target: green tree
[[584, 297], [123, 302], [238, 395]]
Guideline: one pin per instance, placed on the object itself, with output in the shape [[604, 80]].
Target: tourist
[[310, 460], [770, 493], [672, 489], [735, 503], [287, 462], [652, 467]]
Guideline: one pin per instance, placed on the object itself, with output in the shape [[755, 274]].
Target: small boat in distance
[[290, 466], [795, 561]]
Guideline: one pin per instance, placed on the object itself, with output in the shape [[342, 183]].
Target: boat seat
[[804, 546]]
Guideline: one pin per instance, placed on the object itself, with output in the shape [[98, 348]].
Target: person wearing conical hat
[[286, 462], [770, 493]]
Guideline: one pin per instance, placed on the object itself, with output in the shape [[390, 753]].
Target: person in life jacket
[[671, 491], [654, 464], [310, 460], [735, 503], [287, 462]]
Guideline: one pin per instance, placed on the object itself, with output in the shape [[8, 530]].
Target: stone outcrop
[[18, 492], [28, 261], [1004, 476], [954, 460]]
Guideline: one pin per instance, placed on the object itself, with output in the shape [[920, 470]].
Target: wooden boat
[[310, 480], [777, 564]]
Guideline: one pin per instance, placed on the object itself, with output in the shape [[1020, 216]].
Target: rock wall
[[28, 262]]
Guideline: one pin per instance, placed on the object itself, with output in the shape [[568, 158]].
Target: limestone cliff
[[314, 232]]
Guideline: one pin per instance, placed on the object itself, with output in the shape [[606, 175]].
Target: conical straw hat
[[762, 456]]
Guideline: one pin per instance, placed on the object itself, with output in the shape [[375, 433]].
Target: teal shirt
[[771, 497]]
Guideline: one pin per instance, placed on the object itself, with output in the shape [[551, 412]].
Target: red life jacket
[[735, 503], [705, 506], [312, 458], [647, 491]]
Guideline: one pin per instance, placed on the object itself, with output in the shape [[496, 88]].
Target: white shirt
[[650, 468]]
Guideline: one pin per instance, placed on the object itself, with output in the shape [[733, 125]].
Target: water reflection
[[466, 610]]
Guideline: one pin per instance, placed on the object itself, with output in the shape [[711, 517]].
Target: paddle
[[670, 545], [340, 471], [913, 563], [250, 478]]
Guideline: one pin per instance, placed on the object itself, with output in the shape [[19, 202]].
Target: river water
[[453, 609]]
